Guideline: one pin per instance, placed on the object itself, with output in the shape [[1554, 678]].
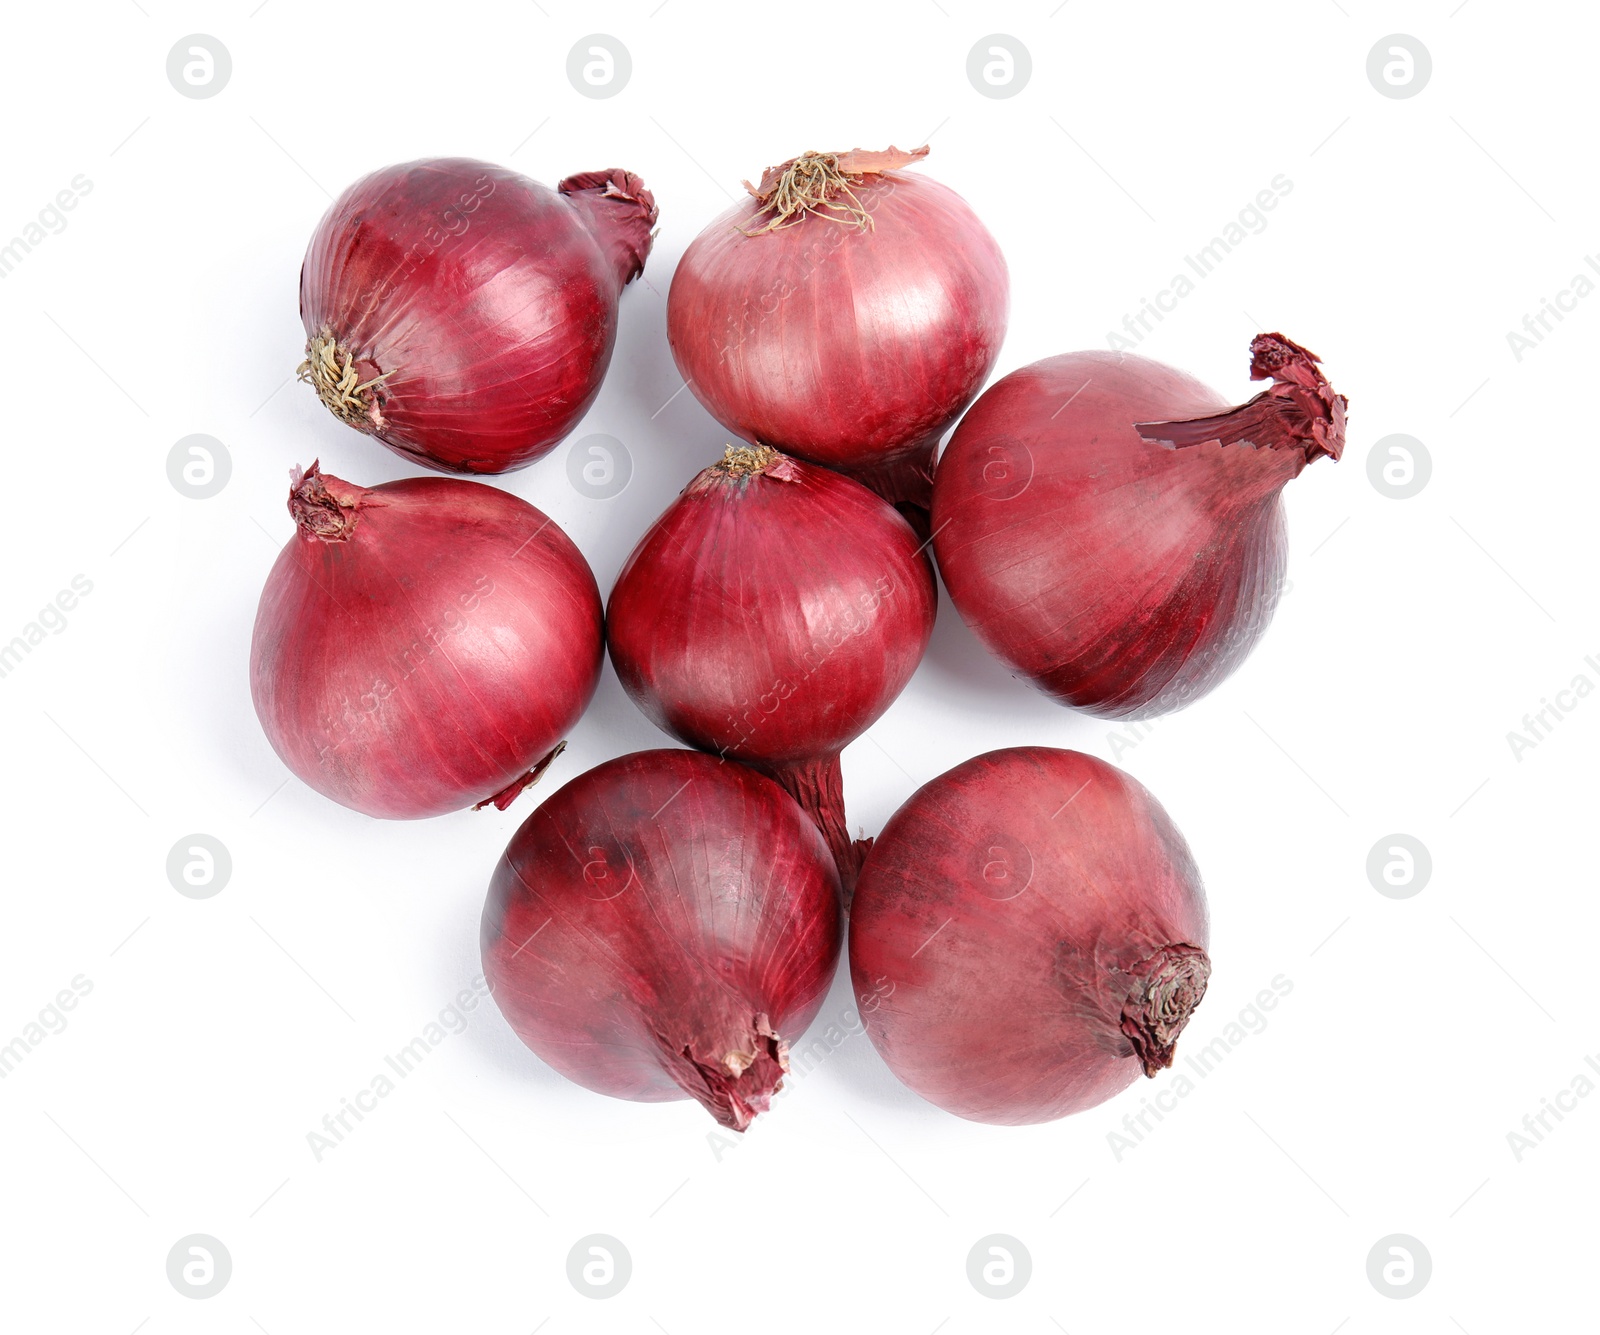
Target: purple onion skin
[[772, 614], [1029, 933], [1113, 531], [661, 928], [424, 645], [480, 306], [849, 346]]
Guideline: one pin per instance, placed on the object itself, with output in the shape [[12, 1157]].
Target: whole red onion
[[661, 928], [423, 645], [771, 614], [1112, 531], [845, 313], [465, 315], [1028, 934]]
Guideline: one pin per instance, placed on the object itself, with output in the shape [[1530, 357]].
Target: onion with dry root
[[845, 313], [465, 315], [771, 615]]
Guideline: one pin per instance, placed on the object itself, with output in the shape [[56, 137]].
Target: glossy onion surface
[[772, 614], [422, 646], [850, 344], [661, 928], [1112, 530], [465, 315], [1028, 934]]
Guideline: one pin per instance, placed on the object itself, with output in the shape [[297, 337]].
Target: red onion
[[423, 645], [465, 315], [1028, 934], [661, 927], [1113, 531], [846, 313], [772, 614]]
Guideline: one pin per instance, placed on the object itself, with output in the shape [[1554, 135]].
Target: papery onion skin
[[848, 344], [1029, 933], [422, 646], [772, 614], [1113, 531], [661, 928], [469, 313]]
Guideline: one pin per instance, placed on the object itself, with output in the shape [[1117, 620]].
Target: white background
[[1415, 636]]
